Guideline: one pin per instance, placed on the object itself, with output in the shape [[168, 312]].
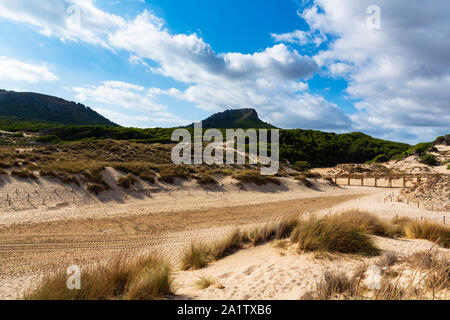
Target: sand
[[268, 273], [73, 227]]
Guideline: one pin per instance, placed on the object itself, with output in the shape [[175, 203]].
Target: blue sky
[[302, 64]]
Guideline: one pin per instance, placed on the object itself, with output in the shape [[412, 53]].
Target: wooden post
[[404, 182], [390, 182], [335, 180], [376, 182], [362, 181], [348, 180]]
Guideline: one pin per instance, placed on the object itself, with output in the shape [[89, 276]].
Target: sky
[[381, 67]]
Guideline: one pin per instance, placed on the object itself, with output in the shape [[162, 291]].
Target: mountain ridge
[[245, 118], [31, 106]]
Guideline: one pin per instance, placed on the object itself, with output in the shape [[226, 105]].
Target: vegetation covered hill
[[322, 149], [28, 106], [53, 121], [234, 119]]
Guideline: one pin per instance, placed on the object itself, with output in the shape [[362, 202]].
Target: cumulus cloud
[[129, 96], [269, 80], [66, 19], [15, 70], [400, 74]]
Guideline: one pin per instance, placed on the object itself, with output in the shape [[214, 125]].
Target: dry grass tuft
[[372, 225], [204, 282], [126, 181], [227, 246], [197, 256], [303, 180], [142, 279], [96, 188], [253, 176], [332, 233], [24, 174], [434, 232], [337, 285]]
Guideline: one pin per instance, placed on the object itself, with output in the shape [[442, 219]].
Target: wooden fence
[[382, 181]]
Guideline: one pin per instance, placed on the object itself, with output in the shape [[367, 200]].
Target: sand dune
[[36, 239]]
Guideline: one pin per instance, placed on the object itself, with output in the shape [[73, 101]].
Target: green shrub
[[381, 158], [302, 166], [429, 159], [48, 139]]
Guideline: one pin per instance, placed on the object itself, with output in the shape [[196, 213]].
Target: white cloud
[[116, 95], [14, 70], [267, 80], [401, 73], [66, 19], [297, 36], [301, 37]]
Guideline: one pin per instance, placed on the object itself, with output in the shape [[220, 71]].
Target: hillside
[[28, 106], [234, 119], [324, 149], [54, 120]]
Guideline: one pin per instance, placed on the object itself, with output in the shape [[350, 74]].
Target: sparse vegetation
[[428, 278], [195, 257], [205, 179], [253, 176], [303, 180], [24, 174], [126, 181], [146, 278], [96, 188], [302, 166], [336, 285], [429, 231]]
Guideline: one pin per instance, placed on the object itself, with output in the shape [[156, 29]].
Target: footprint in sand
[[224, 275], [249, 270]]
